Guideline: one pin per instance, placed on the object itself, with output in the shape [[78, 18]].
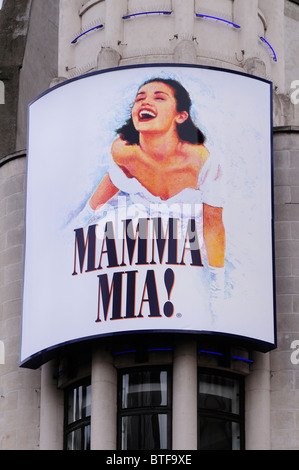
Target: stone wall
[[28, 62], [19, 388], [14, 20], [284, 362]]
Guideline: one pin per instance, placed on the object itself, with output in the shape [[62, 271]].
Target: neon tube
[[218, 19], [211, 352], [124, 352], [241, 359], [85, 32], [146, 13], [263, 39], [221, 354]]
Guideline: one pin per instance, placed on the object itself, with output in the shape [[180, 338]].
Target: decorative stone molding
[[185, 52], [12, 156], [108, 58], [283, 110]]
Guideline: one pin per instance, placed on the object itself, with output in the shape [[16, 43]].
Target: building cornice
[[285, 129], [13, 156]]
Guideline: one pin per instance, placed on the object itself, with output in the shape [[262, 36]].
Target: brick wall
[[285, 371], [19, 388]]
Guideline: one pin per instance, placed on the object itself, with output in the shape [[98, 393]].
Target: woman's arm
[[105, 191], [214, 235]]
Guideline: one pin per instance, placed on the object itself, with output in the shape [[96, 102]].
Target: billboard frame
[[46, 354]]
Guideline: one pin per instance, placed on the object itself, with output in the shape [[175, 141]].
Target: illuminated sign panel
[[149, 208]]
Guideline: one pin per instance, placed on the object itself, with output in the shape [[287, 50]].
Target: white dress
[[187, 204], [134, 201], [210, 184]]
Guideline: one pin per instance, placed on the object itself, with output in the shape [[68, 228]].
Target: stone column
[[185, 50], [109, 55], [184, 18], [115, 9], [69, 24], [103, 401], [184, 418], [19, 387], [257, 404], [245, 14], [51, 411], [274, 13]]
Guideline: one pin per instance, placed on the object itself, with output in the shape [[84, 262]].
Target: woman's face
[[154, 109]]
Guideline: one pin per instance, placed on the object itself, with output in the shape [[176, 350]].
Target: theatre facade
[[148, 175]]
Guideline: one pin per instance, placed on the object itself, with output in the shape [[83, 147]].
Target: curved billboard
[[149, 207]]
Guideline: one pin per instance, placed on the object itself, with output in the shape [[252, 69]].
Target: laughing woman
[[162, 149]]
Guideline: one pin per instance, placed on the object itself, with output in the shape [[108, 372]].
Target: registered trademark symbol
[[179, 315]]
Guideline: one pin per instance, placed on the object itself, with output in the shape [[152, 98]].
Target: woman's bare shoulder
[[121, 150], [118, 146], [198, 152]]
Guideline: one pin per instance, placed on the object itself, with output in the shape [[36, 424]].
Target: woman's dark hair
[[187, 131]]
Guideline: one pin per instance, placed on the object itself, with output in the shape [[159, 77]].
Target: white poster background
[[71, 129]]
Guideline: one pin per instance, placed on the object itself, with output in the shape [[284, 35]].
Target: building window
[[144, 410], [77, 417], [220, 412]]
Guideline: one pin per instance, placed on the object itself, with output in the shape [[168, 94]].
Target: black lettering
[[161, 237], [105, 294], [109, 240], [194, 248], [131, 239], [152, 299], [131, 294], [82, 246]]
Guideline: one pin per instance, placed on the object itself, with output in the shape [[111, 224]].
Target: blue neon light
[[221, 354], [147, 13], [170, 349], [124, 352], [263, 39], [85, 32], [211, 352], [242, 359], [218, 19]]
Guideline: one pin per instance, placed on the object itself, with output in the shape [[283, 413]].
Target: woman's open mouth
[[146, 115]]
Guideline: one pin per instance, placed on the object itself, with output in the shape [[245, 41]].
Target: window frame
[[144, 410], [223, 415], [79, 424]]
